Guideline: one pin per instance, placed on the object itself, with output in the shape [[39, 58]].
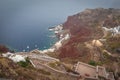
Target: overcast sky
[[22, 12]]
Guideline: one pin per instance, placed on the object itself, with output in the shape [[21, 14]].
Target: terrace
[[91, 72]]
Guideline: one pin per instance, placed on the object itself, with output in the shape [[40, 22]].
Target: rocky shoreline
[[59, 32]]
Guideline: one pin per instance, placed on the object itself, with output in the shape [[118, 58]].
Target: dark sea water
[[28, 38]]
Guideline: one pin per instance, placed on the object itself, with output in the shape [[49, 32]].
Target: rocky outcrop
[[3, 49]]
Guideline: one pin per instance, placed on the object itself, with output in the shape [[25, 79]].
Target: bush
[[24, 63], [93, 63]]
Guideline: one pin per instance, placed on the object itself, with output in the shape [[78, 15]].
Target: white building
[[14, 57]]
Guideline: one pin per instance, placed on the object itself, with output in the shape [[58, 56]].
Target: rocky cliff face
[[86, 26]]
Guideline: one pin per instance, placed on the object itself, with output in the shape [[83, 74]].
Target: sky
[[24, 12], [22, 17], [35, 11]]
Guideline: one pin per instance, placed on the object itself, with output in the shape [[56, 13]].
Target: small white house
[[14, 57]]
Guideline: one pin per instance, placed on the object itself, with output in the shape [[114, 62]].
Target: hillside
[[91, 36], [86, 26], [89, 41]]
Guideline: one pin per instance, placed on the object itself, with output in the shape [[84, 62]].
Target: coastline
[[59, 32]]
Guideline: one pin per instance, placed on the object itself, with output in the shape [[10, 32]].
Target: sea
[[28, 38]]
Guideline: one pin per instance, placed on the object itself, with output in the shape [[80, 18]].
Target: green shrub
[[24, 63], [93, 63]]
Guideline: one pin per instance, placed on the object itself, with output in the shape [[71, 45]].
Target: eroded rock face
[[87, 26]]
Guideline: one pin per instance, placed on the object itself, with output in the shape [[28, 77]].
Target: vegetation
[[12, 71], [106, 56], [113, 43], [54, 64], [99, 63], [24, 63], [93, 63]]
